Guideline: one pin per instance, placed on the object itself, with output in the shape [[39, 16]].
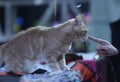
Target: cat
[[28, 48]]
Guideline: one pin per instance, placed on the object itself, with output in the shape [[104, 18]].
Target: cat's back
[[23, 36]]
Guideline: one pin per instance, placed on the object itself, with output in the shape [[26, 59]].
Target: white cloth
[[59, 76]]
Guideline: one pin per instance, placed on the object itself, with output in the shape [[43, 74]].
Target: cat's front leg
[[62, 64], [53, 64]]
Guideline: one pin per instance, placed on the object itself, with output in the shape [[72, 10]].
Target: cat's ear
[[79, 18]]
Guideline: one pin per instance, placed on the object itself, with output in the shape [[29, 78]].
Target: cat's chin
[[83, 39]]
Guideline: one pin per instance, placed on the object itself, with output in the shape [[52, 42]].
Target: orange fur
[[27, 48]]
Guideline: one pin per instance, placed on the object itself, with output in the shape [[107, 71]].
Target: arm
[[112, 55], [104, 48]]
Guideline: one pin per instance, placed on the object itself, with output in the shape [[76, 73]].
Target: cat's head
[[80, 28]]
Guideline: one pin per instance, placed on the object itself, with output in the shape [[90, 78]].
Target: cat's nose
[[83, 37], [83, 33]]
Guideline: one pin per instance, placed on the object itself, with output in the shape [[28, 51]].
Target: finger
[[101, 48], [97, 40], [102, 52]]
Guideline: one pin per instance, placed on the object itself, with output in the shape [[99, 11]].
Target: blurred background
[[101, 16]]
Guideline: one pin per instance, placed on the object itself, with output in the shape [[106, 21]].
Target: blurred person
[[112, 54]]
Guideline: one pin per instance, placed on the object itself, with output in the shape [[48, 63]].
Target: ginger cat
[[36, 44]]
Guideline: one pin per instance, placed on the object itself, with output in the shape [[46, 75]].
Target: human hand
[[104, 48]]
